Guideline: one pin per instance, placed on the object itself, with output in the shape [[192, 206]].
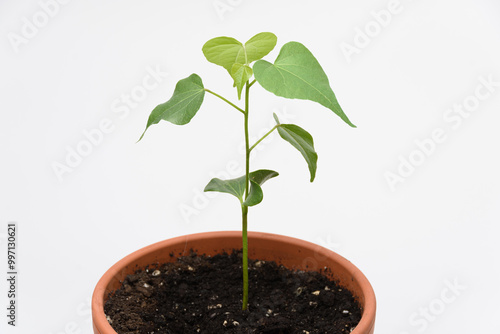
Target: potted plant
[[295, 74]]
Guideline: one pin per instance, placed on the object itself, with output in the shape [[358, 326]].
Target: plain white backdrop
[[411, 196]]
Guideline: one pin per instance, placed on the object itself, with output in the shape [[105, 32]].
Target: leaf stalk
[[225, 100], [264, 136]]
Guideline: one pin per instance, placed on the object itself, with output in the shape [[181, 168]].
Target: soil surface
[[200, 294]]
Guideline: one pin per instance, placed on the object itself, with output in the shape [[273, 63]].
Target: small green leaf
[[241, 74], [262, 175], [236, 187], [182, 106], [302, 141], [259, 46], [224, 51], [227, 51], [255, 195], [296, 74]]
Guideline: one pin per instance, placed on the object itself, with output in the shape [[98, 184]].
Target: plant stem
[[226, 100], [247, 141], [245, 207], [264, 137], [244, 210]]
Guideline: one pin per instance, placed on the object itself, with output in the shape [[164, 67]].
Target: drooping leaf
[[236, 187], [182, 106], [296, 74], [227, 51], [302, 141], [241, 74]]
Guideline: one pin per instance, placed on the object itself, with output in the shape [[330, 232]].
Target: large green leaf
[[236, 187], [296, 74], [182, 106], [227, 51], [241, 74], [302, 141]]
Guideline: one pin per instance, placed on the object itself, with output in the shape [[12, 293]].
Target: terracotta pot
[[292, 253]]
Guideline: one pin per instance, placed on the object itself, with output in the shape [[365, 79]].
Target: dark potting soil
[[200, 294]]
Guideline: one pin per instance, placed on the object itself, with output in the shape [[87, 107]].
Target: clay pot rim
[[99, 319]]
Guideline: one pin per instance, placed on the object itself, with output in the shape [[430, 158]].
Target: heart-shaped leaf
[[182, 106], [302, 141], [227, 51], [241, 74], [259, 46], [236, 187], [224, 51], [296, 74]]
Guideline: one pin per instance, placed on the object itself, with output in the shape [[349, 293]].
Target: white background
[[436, 226]]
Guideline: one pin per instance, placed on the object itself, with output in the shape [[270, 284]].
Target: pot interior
[[292, 253], [298, 255]]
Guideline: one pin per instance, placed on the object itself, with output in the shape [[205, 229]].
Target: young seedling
[[295, 74]]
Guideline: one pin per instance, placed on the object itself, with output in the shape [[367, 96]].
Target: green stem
[[247, 142], [226, 100], [264, 137], [244, 211], [251, 83], [244, 207]]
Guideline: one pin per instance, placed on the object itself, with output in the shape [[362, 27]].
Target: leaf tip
[[348, 121], [138, 140], [208, 186]]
